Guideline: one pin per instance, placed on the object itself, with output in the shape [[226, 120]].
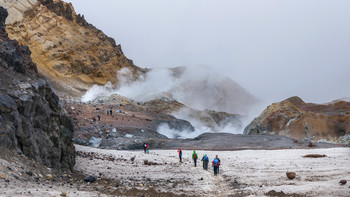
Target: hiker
[[205, 160], [195, 157], [110, 111], [219, 163], [144, 147], [99, 117], [147, 148], [216, 164], [107, 112], [180, 154]]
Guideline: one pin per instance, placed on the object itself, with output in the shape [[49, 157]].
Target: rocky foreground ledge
[[32, 119]]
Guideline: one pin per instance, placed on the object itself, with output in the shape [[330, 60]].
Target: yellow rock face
[[71, 53]]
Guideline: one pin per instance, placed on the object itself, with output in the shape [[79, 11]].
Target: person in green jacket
[[195, 157]]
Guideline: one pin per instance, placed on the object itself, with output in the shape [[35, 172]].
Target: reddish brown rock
[[291, 175], [297, 119], [342, 182]]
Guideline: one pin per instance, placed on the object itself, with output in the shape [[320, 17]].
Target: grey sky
[[274, 49]]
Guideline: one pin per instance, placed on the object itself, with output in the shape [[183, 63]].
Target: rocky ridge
[[69, 51], [297, 119], [32, 119], [136, 122]]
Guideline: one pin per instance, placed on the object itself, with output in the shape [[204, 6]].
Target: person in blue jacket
[[205, 160], [180, 154]]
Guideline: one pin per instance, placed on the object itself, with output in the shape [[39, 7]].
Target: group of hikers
[[109, 113], [205, 160]]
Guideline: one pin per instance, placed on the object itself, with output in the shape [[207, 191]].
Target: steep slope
[[69, 51], [297, 119], [32, 119]]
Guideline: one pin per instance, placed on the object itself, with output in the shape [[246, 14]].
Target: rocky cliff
[[32, 119], [69, 51], [297, 119]]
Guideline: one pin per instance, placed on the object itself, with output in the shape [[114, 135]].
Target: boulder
[[90, 179], [342, 182], [291, 175]]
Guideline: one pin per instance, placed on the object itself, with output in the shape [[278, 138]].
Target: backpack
[[195, 156], [206, 159], [216, 162]]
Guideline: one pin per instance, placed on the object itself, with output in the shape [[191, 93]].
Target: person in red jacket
[[147, 148], [180, 154]]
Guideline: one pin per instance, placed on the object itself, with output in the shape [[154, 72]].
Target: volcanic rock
[[342, 182], [297, 119], [90, 179], [68, 50], [291, 175], [314, 155], [32, 119]]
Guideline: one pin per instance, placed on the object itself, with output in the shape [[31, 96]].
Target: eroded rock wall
[[32, 119]]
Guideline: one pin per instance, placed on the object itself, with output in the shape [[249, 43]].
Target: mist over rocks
[[297, 119], [196, 87], [74, 55], [32, 120]]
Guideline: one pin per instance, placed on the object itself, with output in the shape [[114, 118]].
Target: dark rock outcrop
[[297, 119], [32, 119]]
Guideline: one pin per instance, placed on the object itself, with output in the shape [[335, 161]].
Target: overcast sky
[[274, 49]]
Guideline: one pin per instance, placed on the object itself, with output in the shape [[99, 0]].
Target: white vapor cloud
[[274, 49], [197, 87]]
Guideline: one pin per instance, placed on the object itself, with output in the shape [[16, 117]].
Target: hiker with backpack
[[219, 163], [216, 164], [205, 160], [180, 154], [147, 148], [195, 157]]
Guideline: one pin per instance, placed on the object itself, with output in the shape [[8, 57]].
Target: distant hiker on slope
[[180, 154], [107, 112], [205, 160], [216, 164], [147, 148], [195, 157], [144, 147], [99, 117]]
